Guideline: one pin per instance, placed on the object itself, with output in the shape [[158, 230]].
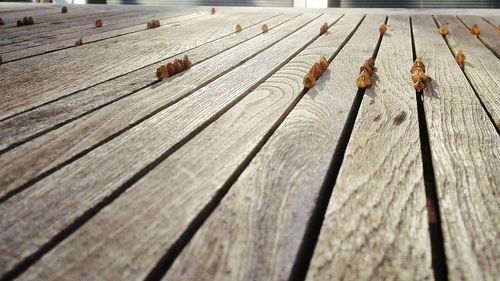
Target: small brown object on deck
[[153, 24], [171, 69], [418, 75], [323, 29], [177, 66], [264, 28], [309, 81], [382, 29], [64, 9], [212, 11], [474, 30], [443, 30], [323, 63], [186, 62], [315, 70], [30, 20], [98, 23], [26, 21], [162, 72], [19, 23], [460, 59], [237, 28], [364, 78], [1, 21], [79, 42], [498, 27]]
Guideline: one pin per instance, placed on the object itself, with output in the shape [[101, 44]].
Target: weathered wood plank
[[256, 231], [25, 80], [71, 191], [53, 149], [68, 40], [194, 173], [481, 67], [489, 35], [494, 20], [377, 211], [465, 151]]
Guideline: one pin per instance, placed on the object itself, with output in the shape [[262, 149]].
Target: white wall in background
[[310, 3]]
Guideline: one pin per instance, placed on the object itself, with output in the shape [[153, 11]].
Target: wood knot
[[64, 9], [400, 118], [460, 59], [382, 29], [323, 29], [98, 23], [443, 30], [474, 30]]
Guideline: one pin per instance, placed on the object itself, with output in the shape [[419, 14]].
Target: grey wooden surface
[[224, 171]]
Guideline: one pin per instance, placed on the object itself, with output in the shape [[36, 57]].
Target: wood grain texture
[[150, 221], [489, 35], [377, 212], [256, 231], [25, 225], [25, 80], [58, 146], [494, 20], [465, 151], [49, 42], [481, 66]]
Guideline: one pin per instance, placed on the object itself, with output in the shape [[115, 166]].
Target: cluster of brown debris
[[316, 70], [25, 21], [64, 9], [153, 24], [474, 30], [98, 23], [364, 79], [323, 29], [172, 68], [418, 75]]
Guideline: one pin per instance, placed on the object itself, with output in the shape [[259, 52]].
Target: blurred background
[[297, 3]]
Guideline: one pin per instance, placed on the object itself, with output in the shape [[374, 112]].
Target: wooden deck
[[232, 170]]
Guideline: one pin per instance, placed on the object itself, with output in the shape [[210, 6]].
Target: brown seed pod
[[418, 75], [64, 9], [177, 66], [237, 28], [171, 69], [186, 62], [369, 66], [364, 79], [98, 23], [162, 72], [19, 23], [79, 42], [443, 30], [212, 11], [155, 23], [148, 25], [460, 59], [315, 70], [323, 63], [264, 28], [323, 29], [474, 30], [309, 81], [30, 20], [1, 21], [26, 21], [382, 29]]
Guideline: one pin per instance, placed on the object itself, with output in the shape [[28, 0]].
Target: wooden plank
[[377, 211], [489, 35], [194, 173], [256, 231], [43, 154], [83, 184], [25, 81], [68, 40], [83, 27], [482, 67], [494, 20], [464, 148]]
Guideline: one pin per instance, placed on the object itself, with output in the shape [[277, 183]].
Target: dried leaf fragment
[[237, 28], [443, 30], [309, 81], [64, 9], [323, 29], [264, 28], [418, 75], [474, 30], [79, 42], [460, 59], [382, 29], [212, 11], [98, 23]]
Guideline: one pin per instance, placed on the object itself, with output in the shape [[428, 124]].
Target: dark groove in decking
[[433, 212]]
